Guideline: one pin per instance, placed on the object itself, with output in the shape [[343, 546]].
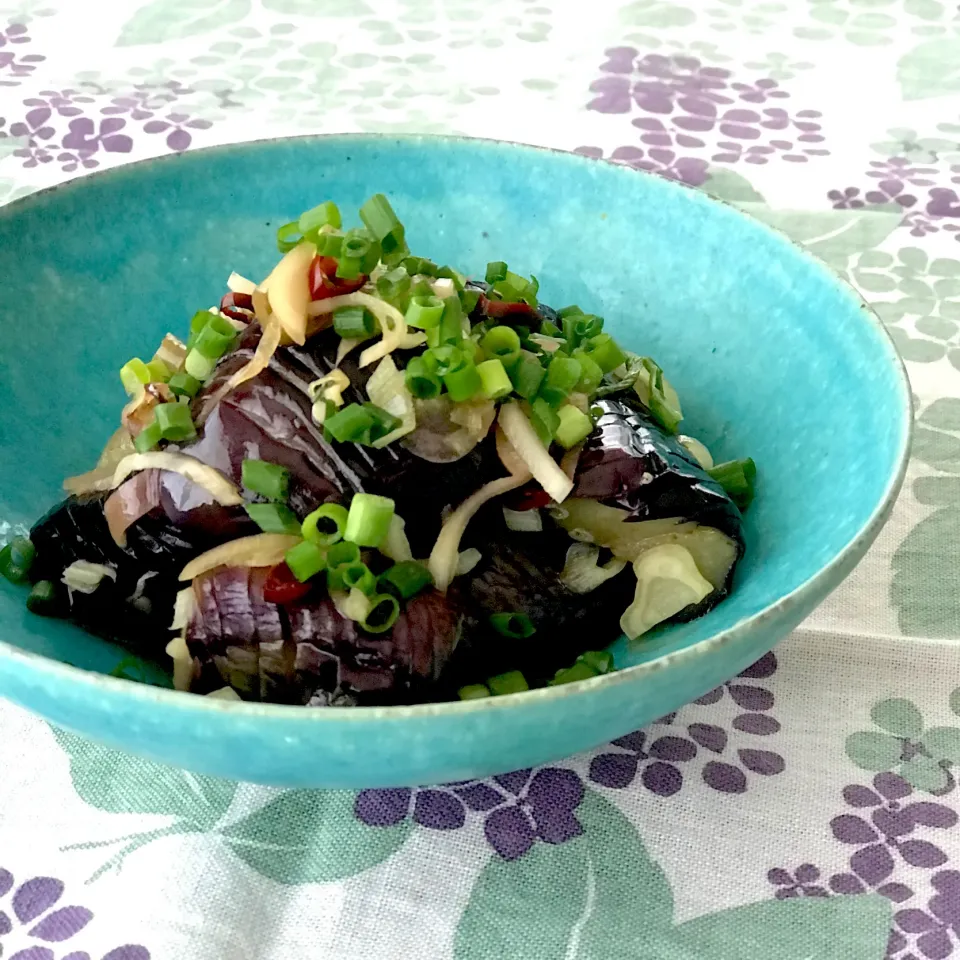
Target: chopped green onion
[[549, 329], [394, 287], [183, 385], [527, 376], [421, 383], [545, 420], [512, 682], [448, 273], [737, 478], [356, 243], [600, 661], [199, 366], [159, 371], [134, 375], [383, 223], [563, 375], [424, 312], [463, 384], [444, 359], [288, 236], [45, 599], [571, 311], [420, 265], [305, 560], [383, 614], [579, 671], [494, 380], [353, 323], [451, 321], [358, 575], [148, 437], [384, 422], [273, 518], [16, 558], [513, 289], [605, 352], [503, 343], [469, 297], [590, 372], [574, 426], [516, 625], [215, 338], [268, 479], [329, 245], [175, 422], [342, 554], [496, 270], [325, 525], [473, 691], [360, 424], [368, 519], [406, 579], [324, 215], [349, 268]]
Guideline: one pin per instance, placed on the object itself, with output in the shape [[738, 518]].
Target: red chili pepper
[[501, 308], [282, 586], [530, 498], [324, 282], [237, 306]]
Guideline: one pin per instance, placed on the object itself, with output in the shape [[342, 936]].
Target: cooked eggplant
[[134, 605], [306, 651]]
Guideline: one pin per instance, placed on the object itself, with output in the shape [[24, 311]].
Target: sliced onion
[[443, 287], [581, 571], [238, 284], [224, 693], [446, 431], [667, 581], [345, 346], [133, 499], [177, 650], [467, 560], [395, 545], [184, 606], [84, 576], [548, 344], [446, 551], [172, 352], [288, 290], [259, 550], [697, 450], [392, 323], [354, 605], [266, 348], [569, 461], [523, 521], [387, 388], [523, 438], [222, 490]]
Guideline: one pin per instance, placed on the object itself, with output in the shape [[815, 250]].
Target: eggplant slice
[[306, 652]]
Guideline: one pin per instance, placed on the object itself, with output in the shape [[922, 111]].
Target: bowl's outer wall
[[773, 359]]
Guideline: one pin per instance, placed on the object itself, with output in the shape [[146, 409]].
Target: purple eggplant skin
[[147, 567], [269, 418], [307, 653], [630, 463]]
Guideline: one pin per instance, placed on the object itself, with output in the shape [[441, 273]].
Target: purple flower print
[[801, 883], [517, 808], [936, 929], [177, 126], [86, 136], [657, 763], [32, 916], [889, 829], [689, 170], [145, 100], [14, 68], [846, 199]]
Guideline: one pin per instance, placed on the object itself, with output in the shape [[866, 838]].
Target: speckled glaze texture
[[772, 356]]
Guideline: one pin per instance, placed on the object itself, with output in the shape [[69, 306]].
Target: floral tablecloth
[[809, 807]]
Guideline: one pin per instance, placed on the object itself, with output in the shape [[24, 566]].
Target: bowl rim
[[47, 668]]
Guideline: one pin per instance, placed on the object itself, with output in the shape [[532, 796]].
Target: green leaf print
[[833, 235], [601, 897], [598, 897], [943, 742], [937, 491], [838, 928], [898, 716], [870, 750], [318, 8], [955, 701], [120, 783], [731, 186], [656, 13], [163, 20], [941, 450], [311, 836], [944, 414], [931, 69]]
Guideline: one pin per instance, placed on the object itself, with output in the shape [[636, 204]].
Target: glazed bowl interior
[[772, 357]]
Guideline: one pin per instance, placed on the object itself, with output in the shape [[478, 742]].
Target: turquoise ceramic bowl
[[772, 356]]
